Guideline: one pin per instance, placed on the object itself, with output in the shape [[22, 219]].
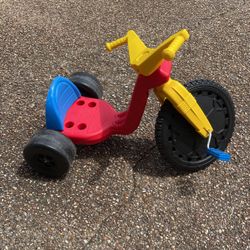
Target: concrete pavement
[[120, 194]]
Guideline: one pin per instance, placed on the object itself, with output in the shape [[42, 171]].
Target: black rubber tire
[[49, 153], [87, 84], [179, 143]]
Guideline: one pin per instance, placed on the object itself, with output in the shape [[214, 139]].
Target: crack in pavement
[[123, 204]]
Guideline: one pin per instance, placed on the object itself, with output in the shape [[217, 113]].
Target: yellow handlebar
[[174, 45], [171, 50], [116, 43], [146, 60]]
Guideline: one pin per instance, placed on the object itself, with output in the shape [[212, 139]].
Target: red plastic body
[[90, 121]]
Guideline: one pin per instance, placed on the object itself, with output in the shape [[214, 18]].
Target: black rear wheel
[[50, 153], [87, 84], [177, 140]]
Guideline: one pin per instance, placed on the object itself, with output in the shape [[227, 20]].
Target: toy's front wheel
[[50, 153], [177, 140]]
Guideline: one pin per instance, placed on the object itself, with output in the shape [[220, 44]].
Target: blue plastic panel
[[61, 95]]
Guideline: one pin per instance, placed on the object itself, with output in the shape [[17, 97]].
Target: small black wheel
[[50, 153], [87, 84], [177, 140]]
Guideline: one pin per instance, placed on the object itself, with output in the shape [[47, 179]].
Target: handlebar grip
[[169, 53], [116, 43], [171, 50]]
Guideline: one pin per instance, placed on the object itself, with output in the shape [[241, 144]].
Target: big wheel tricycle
[[193, 127]]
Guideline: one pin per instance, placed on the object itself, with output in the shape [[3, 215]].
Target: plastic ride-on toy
[[193, 127]]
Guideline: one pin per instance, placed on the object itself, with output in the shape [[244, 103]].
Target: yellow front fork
[[185, 104]]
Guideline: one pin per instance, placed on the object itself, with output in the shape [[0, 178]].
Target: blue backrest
[[61, 95]]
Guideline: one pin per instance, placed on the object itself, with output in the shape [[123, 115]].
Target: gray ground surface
[[117, 194]]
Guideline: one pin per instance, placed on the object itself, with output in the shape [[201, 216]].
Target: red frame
[[90, 121]]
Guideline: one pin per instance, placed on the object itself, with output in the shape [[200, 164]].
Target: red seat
[[89, 121]]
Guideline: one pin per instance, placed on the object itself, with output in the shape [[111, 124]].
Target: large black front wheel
[[177, 140]]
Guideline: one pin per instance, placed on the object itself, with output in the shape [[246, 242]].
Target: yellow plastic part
[[116, 43], [146, 60], [185, 104]]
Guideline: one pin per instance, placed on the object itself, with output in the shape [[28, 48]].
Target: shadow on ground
[[132, 150]]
